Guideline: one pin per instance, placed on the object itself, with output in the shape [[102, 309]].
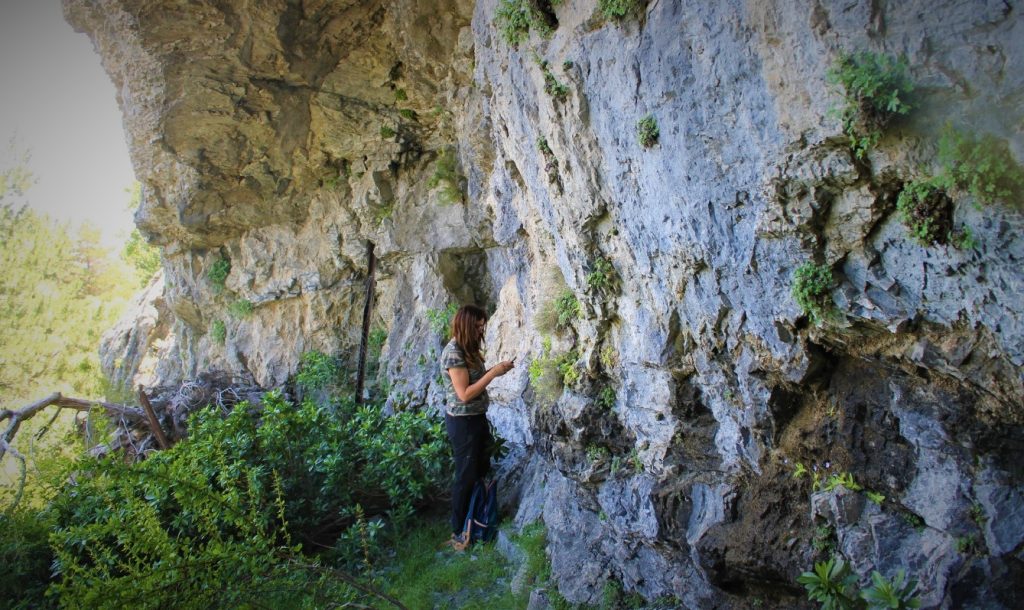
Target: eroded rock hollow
[[274, 139]]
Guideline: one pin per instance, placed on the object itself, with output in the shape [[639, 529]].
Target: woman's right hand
[[503, 367]]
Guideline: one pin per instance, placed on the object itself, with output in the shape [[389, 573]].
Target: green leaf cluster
[[549, 373], [617, 9], [218, 332], [834, 585], [218, 273], [317, 371], [603, 279], [241, 308], [877, 88], [441, 320], [515, 18], [812, 287], [446, 175], [647, 131], [982, 165], [926, 211], [552, 86], [558, 314]]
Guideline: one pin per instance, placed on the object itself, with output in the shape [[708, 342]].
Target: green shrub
[[647, 131], [812, 288], [834, 585], [549, 373], [513, 20], [26, 556], [241, 308], [927, 211], [552, 86], [218, 273], [617, 9], [218, 332], [983, 166], [317, 371], [603, 279], [401, 95], [877, 88], [234, 503], [441, 320], [606, 399], [387, 132], [446, 174], [407, 113]]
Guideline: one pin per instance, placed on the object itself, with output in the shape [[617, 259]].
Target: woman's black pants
[[470, 437]]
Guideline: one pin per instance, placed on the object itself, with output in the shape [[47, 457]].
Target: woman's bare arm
[[466, 392]]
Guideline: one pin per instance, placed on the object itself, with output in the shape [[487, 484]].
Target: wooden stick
[[154, 423]]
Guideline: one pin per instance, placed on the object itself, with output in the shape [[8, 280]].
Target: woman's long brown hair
[[466, 334]]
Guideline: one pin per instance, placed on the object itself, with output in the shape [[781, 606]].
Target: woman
[[466, 410]]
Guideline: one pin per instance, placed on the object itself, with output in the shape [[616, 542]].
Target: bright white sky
[[57, 102]]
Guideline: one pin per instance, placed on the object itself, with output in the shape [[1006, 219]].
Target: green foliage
[[875, 497], [876, 90], [617, 9], [558, 314], [597, 453], [914, 520], [609, 357], [614, 598], [515, 18], [447, 176], [401, 95], [407, 113], [603, 280], [26, 557], [550, 161], [387, 132], [441, 320], [218, 273], [230, 504], [218, 332], [831, 583], [375, 343], [841, 479], [384, 211], [824, 540], [241, 308], [552, 86], [647, 131], [812, 287], [927, 211], [549, 374], [983, 166], [885, 593], [317, 371], [834, 585], [606, 399]]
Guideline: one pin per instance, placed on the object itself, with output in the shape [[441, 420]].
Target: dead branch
[[64, 402], [154, 423]]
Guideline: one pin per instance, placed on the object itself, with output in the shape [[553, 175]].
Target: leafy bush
[[446, 174], [218, 273], [982, 165], [407, 113], [876, 90], [387, 132], [218, 332], [26, 557], [241, 308], [927, 211], [812, 287], [235, 503], [317, 371], [606, 399], [617, 9], [552, 86], [515, 18], [647, 131], [549, 374]]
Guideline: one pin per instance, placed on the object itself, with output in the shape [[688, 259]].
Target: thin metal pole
[[367, 313]]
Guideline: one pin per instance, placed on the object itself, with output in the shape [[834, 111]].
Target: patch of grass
[[407, 113], [812, 287], [558, 314], [877, 88], [618, 9], [609, 357], [981, 165], [425, 575], [441, 320], [647, 131], [387, 132], [218, 273], [550, 374], [241, 308], [218, 332], [401, 95], [446, 175], [926, 211]]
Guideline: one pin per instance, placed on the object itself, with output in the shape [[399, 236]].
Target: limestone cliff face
[[283, 136]]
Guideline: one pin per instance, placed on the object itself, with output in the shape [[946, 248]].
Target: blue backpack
[[482, 516]]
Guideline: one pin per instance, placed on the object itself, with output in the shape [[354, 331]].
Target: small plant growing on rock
[[515, 18], [316, 371], [558, 314], [596, 453], [401, 95], [875, 497], [549, 374], [617, 9], [647, 131], [876, 91], [895, 593], [983, 166], [242, 308], [552, 86], [218, 273], [441, 320], [812, 287], [831, 583], [606, 399], [550, 162], [603, 279], [218, 332], [927, 211], [407, 113], [609, 357], [447, 176], [387, 132]]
